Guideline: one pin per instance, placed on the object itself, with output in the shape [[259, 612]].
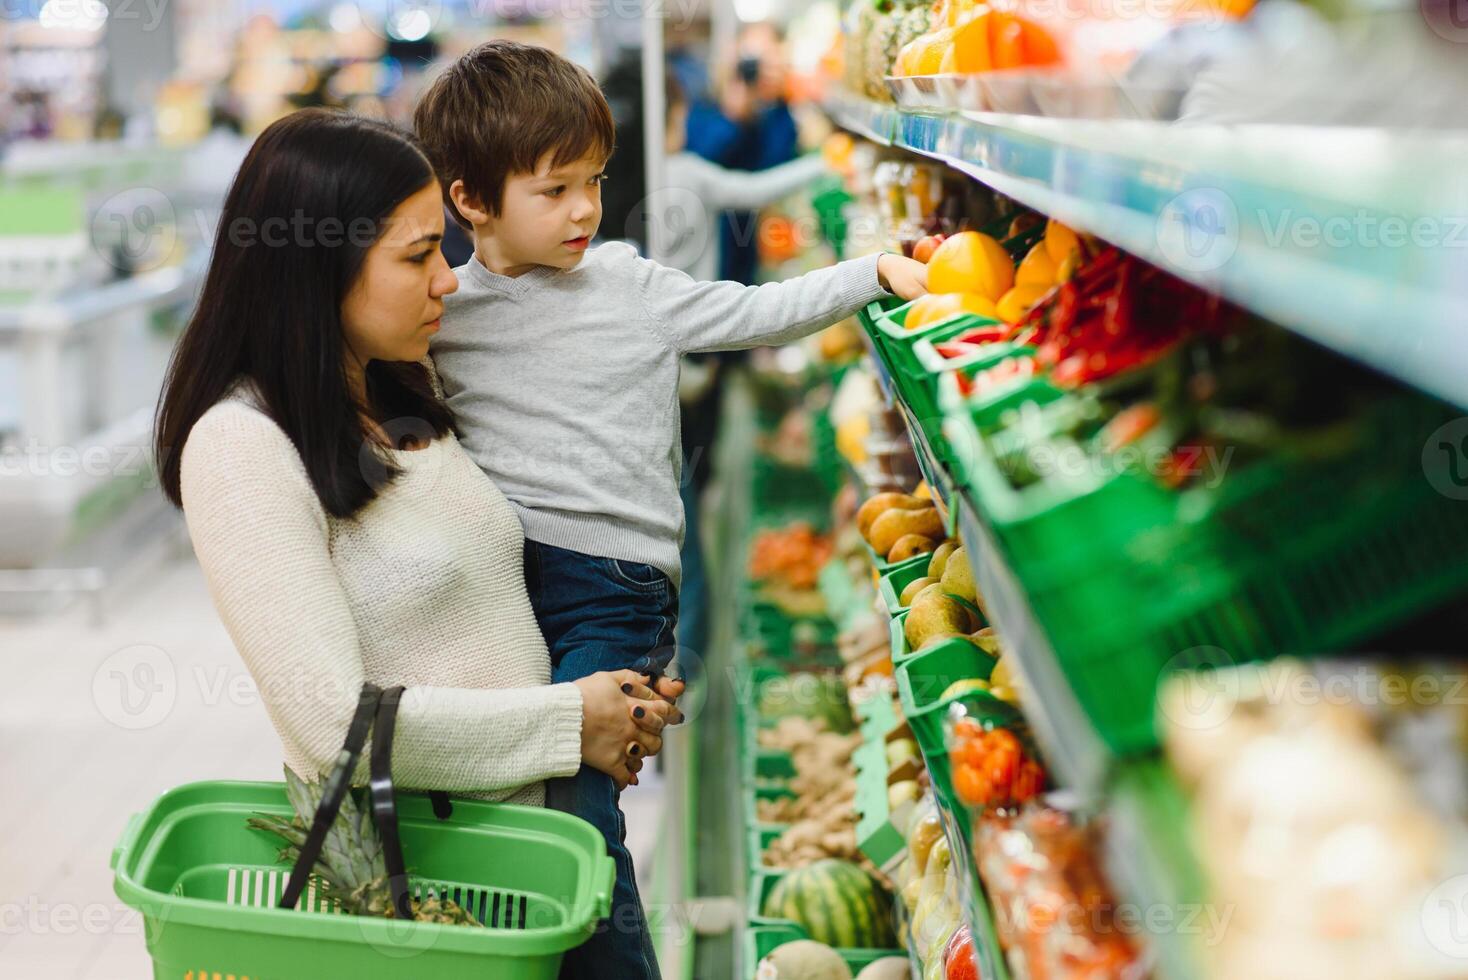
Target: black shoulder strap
[[331, 796], [384, 802]]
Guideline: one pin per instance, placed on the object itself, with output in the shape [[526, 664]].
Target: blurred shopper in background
[[750, 128]]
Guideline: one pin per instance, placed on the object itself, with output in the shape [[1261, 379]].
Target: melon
[[803, 959], [887, 968], [836, 903]]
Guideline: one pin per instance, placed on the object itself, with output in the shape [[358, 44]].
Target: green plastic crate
[[761, 940], [760, 884], [868, 316], [881, 564], [754, 795], [206, 883], [1284, 556], [876, 836], [902, 652], [936, 365], [916, 385], [759, 839], [900, 577], [786, 640], [922, 680]]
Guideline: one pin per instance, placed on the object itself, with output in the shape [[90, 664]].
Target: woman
[[345, 535]]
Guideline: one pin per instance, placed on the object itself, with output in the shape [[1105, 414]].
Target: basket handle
[[332, 795], [602, 900], [127, 840], [384, 801]]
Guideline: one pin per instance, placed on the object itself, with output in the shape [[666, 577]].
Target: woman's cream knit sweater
[[423, 587]]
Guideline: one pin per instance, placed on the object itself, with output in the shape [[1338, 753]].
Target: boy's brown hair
[[500, 108]]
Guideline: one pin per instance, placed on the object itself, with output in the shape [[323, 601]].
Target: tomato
[[959, 962], [1003, 740], [970, 785]]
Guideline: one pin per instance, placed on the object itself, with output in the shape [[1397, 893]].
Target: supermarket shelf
[[148, 291], [1346, 236], [1073, 751]]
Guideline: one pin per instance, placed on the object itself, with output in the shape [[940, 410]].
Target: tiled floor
[[96, 721]]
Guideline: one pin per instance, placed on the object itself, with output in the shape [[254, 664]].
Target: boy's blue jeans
[[603, 614]]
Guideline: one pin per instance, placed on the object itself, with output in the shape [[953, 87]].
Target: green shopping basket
[[213, 893]]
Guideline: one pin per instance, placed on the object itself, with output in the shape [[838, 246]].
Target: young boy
[[561, 365]]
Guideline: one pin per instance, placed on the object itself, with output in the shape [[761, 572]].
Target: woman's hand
[[622, 721], [902, 276]]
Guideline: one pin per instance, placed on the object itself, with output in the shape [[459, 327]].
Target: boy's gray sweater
[[565, 384]]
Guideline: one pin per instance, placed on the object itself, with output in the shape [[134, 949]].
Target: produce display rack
[[1288, 221], [1127, 183]]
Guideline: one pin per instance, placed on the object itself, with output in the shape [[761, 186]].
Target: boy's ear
[[468, 205]]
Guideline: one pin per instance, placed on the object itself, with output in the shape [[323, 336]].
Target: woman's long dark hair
[[309, 200]]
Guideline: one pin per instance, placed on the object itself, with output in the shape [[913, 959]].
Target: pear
[[958, 577], [987, 641], [879, 505], [913, 588], [940, 558], [894, 523], [910, 546], [934, 615]]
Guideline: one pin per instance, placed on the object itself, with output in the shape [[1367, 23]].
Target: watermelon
[[836, 903], [807, 695]]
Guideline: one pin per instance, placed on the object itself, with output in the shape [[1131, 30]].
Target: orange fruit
[[1006, 47], [837, 149], [971, 45], [928, 310], [1013, 305], [1039, 46], [1036, 269], [1060, 241], [970, 262]]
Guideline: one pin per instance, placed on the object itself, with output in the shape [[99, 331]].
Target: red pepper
[[983, 335], [953, 349], [1129, 425], [1118, 317], [1180, 466]]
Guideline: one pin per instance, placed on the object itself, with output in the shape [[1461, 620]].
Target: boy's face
[[548, 217]]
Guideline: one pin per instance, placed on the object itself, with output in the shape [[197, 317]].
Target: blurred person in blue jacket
[[749, 128]]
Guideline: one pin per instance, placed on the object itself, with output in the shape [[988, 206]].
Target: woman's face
[[392, 310]]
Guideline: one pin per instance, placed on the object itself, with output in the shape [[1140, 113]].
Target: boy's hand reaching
[[902, 276]]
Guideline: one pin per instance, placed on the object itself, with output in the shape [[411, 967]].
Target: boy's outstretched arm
[[695, 316]]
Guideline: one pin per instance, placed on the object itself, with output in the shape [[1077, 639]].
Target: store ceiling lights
[[73, 15], [411, 25], [345, 18], [753, 11]]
